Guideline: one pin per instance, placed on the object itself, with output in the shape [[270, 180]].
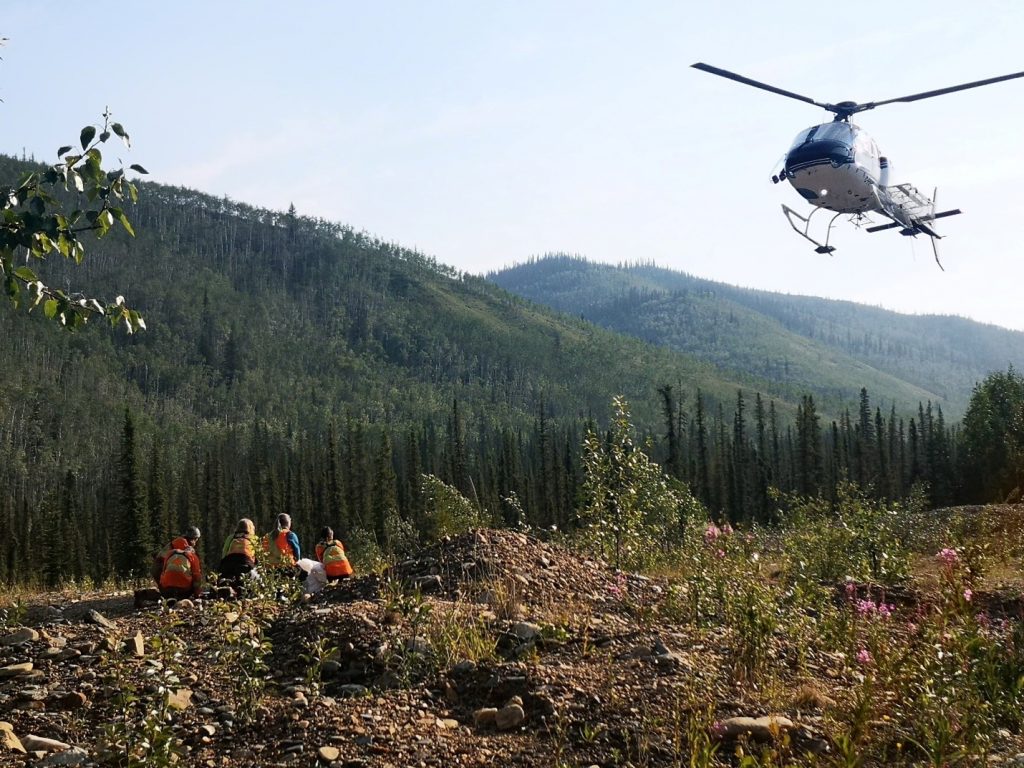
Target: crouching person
[[180, 573], [239, 554], [331, 553]]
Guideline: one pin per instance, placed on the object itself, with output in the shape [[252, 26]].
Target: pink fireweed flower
[[711, 533], [717, 729], [968, 594], [864, 657], [726, 529], [720, 553], [948, 557], [983, 619], [851, 590]]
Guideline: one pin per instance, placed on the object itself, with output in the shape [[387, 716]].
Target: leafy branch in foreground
[[35, 223]]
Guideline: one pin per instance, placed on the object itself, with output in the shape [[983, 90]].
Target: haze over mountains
[[796, 343]]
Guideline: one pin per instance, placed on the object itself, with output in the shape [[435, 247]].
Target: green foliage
[[142, 734], [630, 511], [447, 512], [993, 437], [36, 221], [854, 538]]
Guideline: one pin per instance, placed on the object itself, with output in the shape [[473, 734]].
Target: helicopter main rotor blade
[[940, 91], [763, 86]]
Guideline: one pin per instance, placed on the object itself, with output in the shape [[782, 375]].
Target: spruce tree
[[134, 547]]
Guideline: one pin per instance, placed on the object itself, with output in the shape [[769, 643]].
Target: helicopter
[[838, 167]]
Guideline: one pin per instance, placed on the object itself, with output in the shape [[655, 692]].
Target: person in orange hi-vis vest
[[331, 553], [282, 545], [177, 569]]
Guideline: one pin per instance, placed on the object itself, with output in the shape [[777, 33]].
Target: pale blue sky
[[483, 133]]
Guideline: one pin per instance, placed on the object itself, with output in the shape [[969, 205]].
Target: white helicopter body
[[836, 166]]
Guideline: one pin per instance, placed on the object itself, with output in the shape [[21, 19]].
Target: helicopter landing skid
[[789, 213]]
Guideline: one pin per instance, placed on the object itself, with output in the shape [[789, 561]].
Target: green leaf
[[120, 216], [26, 274], [63, 150], [50, 308], [104, 136], [87, 135], [138, 168]]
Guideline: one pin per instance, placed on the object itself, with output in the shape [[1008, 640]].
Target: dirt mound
[[476, 564]]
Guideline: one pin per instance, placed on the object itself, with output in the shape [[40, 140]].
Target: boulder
[[95, 617], [15, 670], [9, 742], [23, 635], [35, 743], [484, 718], [509, 716], [328, 754]]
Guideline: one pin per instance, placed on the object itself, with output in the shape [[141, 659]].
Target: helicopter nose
[[835, 153]]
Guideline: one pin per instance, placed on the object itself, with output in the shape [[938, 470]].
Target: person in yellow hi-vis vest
[[331, 553], [238, 557]]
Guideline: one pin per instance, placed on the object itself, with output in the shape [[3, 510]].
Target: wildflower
[[711, 533], [717, 729], [720, 553], [864, 657], [948, 557], [726, 529], [984, 620], [851, 590], [968, 594]]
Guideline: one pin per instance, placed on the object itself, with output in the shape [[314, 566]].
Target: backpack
[[177, 562]]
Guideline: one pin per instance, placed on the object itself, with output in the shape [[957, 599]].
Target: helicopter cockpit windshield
[[832, 132]]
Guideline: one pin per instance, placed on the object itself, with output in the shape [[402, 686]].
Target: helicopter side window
[[804, 136]]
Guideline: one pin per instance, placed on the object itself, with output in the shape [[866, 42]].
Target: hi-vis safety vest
[[334, 559], [177, 570], [242, 545], [280, 551]]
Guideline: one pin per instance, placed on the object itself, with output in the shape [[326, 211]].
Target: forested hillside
[[292, 363], [797, 343]]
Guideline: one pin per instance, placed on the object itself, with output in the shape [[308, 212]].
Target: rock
[[328, 754], [23, 635], [9, 742], [96, 617], [35, 743], [765, 728], [179, 699], [447, 723], [526, 630], [427, 583], [67, 701], [484, 718], [183, 605], [353, 689], [73, 756], [68, 653], [137, 645], [231, 617], [15, 670], [330, 668], [418, 645], [208, 730], [509, 716], [464, 667], [638, 652]]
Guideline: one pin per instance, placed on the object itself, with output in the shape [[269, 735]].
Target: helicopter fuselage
[[837, 166]]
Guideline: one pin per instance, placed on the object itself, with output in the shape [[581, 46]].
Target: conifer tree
[[134, 547]]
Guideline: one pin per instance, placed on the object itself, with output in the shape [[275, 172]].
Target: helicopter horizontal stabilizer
[[895, 224]]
